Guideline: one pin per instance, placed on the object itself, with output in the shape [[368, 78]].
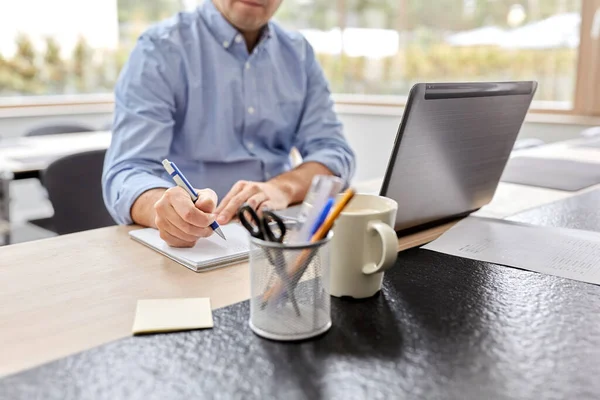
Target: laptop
[[451, 148]]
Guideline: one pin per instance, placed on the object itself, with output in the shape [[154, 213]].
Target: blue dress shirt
[[192, 93]]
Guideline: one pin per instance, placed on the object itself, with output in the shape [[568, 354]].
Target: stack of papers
[[568, 253], [208, 253]]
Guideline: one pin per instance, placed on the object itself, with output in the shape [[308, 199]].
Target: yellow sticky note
[[169, 315]]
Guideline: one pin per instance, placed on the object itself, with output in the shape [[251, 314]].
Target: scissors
[[262, 228], [269, 227]]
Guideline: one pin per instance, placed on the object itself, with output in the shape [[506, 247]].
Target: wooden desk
[[66, 294]]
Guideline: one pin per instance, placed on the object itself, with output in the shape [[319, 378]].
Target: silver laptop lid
[[451, 148]]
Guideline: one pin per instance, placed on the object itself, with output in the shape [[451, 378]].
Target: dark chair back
[[58, 129], [75, 191]]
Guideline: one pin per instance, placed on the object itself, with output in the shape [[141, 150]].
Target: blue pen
[[183, 183], [322, 216]]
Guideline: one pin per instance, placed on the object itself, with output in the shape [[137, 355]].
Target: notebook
[[208, 253]]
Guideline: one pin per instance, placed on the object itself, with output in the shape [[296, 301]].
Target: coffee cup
[[363, 246]]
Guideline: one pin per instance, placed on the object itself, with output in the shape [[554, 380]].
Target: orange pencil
[[318, 235], [337, 210]]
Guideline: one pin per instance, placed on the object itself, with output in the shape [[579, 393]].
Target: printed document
[[568, 253]]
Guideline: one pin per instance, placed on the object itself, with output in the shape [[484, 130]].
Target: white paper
[[568, 253], [208, 252]]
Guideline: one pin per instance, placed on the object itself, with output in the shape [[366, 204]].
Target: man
[[225, 94]]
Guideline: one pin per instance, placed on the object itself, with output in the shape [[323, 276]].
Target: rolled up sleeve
[[142, 127], [320, 137]]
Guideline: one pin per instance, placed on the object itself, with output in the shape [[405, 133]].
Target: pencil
[[339, 207], [318, 235]]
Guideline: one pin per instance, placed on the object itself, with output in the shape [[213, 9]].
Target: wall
[[371, 133]]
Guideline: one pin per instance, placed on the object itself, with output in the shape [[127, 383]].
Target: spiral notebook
[[208, 253]]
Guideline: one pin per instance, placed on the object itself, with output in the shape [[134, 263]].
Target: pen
[[183, 183], [322, 217]]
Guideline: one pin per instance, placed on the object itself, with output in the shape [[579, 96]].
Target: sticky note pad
[[169, 315]]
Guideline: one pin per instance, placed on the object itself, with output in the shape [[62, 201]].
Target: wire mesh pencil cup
[[289, 289]]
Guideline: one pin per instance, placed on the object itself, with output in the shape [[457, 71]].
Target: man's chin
[[248, 25], [248, 19]]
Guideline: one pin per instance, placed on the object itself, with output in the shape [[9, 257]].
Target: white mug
[[363, 246]]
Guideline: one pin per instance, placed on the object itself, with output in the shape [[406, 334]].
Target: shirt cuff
[[339, 167], [131, 190]]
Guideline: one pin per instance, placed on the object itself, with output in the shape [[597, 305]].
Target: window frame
[[586, 98], [587, 89]]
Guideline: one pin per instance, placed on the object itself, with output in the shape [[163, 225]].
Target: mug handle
[[389, 244]]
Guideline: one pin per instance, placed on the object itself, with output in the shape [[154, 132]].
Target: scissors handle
[[254, 225], [269, 217]]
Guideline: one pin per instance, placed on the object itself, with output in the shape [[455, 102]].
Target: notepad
[[208, 253], [171, 315]]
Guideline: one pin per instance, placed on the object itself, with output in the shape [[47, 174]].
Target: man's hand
[[278, 193], [180, 222], [259, 195]]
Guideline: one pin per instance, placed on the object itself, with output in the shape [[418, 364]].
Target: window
[[71, 46], [371, 48], [385, 46]]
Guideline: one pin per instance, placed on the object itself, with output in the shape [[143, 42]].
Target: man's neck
[[251, 39]]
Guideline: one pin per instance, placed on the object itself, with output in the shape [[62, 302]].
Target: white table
[[25, 157], [35, 153]]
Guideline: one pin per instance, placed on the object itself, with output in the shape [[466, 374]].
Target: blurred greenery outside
[[423, 55]]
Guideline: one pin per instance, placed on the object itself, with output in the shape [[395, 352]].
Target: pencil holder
[[289, 289]]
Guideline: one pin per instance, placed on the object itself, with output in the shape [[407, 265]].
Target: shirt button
[[226, 44], [250, 145], [238, 39], [268, 175], [247, 65], [250, 110]]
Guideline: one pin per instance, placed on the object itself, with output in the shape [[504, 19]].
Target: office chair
[[58, 129], [75, 191], [53, 129]]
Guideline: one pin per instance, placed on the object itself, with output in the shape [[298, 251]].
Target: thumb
[[207, 200]]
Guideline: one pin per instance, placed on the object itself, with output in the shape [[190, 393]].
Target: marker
[[183, 183]]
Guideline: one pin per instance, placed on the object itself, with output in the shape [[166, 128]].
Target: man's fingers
[[266, 206], [207, 200], [188, 228], [173, 241], [166, 212], [180, 223], [237, 188], [257, 200], [163, 224], [236, 202], [189, 213]]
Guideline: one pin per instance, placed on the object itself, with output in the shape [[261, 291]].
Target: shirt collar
[[222, 29]]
